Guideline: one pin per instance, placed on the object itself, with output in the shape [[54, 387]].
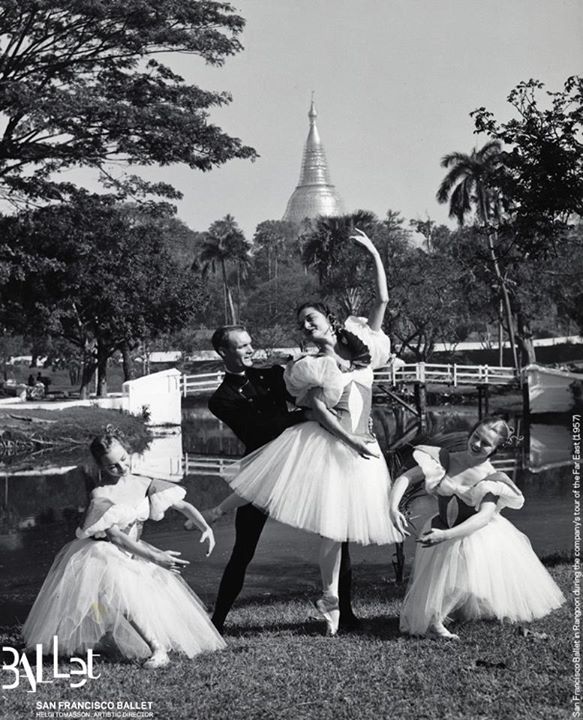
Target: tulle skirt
[[309, 479], [94, 592], [492, 574]]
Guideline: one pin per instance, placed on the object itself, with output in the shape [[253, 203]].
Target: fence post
[[455, 374]]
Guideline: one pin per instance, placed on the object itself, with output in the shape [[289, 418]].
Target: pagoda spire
[[314, 195]]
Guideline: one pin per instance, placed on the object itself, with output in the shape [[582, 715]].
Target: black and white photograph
[[291, 359]]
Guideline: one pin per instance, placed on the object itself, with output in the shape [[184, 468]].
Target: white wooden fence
[[452, 374], [428, 373]]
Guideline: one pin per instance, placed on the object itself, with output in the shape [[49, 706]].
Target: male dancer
[[253, 403]]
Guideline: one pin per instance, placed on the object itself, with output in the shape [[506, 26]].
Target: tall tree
[[542, 177], [543, 160], [82, 83], [86, 272], [471, 186], [224, 243], [275, 246]]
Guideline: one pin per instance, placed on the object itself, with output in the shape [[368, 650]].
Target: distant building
[[315, 195]]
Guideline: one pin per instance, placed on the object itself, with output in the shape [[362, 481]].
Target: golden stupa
[[314, 195]]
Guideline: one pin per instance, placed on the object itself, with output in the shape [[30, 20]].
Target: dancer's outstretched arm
[[196, 518], [377, 312], [397, 491], [165, 558]]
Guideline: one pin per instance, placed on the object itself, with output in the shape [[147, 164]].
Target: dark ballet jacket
[[254, 406]]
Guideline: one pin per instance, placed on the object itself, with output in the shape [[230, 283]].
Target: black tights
[[249, 523]]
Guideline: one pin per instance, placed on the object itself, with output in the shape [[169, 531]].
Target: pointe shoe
[[330, 611], [438, 630], [158, 659]]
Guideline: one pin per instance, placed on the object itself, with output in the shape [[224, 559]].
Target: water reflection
[[39, 512]]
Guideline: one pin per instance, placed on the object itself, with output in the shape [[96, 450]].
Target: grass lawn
[[279, 665]]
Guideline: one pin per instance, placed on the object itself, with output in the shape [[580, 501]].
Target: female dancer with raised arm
[[471, 561], [329, 476]]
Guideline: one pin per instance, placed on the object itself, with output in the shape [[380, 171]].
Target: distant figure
[[31, 382], [46, 381]]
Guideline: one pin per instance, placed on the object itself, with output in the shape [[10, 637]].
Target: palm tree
[[224, 242], [326, 250], [471, 186]]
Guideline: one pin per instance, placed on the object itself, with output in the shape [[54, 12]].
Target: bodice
[[127, 504], [461, 490], [355, 403]]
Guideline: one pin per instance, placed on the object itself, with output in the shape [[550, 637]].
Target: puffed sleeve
[[103, 514], [500, 485], [434, 462], [310, 372], [378, 344], [162, 495]]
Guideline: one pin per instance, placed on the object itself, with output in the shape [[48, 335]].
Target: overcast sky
[[394, 82]]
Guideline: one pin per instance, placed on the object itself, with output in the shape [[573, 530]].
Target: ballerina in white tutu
[[471, 562], [329, 476], [109, 586]]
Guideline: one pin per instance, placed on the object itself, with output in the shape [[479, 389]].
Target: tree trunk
[[275, 268], [231, 305], [128, 367], [87, 372], [500, 334], [504, 293], [526, 341], [102, 358]]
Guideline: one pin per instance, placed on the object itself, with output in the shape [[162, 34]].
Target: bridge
[[391, 375]]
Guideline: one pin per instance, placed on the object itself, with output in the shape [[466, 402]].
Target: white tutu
[[492, 573], [310, 480], [95, 592]]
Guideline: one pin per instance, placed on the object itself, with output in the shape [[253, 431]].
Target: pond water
[[39, 512]]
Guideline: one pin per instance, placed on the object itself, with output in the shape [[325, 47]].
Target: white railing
[[217, 465], [202, 382], [507, 465], [452, 374], [206, 464]]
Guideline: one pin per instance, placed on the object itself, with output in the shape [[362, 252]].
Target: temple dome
[[314, 195]]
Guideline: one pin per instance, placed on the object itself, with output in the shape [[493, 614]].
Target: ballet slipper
[[439, 631], [158, 659], [329, 609]]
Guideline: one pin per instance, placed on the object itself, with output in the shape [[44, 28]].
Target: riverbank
[[40, 437]]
